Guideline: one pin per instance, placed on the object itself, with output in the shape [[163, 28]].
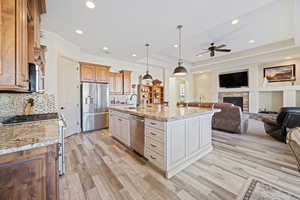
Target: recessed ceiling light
[[133, 55], [80, 32], [288, 57], [175, 45], [235, 21], [199, 55], [90, 4], [251, 41], [105, 48]]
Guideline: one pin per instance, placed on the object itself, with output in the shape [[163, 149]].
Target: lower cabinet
[[120, 127], [30, 174]]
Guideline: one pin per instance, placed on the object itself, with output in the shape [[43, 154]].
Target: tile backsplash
[[12, 104]]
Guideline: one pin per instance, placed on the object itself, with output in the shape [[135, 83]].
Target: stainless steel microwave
[[36, 79]]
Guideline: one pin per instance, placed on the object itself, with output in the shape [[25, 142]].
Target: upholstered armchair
[[288, 118]]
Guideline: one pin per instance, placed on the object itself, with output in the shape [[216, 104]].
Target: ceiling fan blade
[[201, 53], [221, 46], [223, 50]]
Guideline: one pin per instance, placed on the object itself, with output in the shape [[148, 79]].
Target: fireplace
[[237, 98], [238, 101]]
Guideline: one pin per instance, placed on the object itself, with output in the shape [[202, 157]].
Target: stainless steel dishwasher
[[137, 133]]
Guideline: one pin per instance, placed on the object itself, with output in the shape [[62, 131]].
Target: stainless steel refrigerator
[[94, 106]]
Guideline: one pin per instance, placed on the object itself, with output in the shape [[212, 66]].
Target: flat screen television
[[234, 80]]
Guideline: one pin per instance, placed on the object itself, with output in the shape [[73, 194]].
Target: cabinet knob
[[152, 133], [153, 123], [153, 157], [153, 145]]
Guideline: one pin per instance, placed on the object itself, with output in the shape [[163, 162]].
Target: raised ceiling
[[125, 26]]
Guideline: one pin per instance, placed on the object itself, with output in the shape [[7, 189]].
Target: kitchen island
[[174, 137]]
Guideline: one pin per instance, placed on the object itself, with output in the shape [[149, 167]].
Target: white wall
[[204, 87], [206, 84], [58, 46]]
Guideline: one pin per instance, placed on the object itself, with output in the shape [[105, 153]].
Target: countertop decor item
[[180, 70], [147, 76]]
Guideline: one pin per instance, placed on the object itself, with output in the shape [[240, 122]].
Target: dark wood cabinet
[[15, 41], [93, 73], [30, 174], [13, 44]]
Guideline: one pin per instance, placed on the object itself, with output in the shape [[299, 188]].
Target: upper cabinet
[[115, 83], [126, 76], [120, 83], [13, 44], [93, 73], [14, 41]]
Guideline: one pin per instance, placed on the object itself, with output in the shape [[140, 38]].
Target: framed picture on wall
[[280, 73]]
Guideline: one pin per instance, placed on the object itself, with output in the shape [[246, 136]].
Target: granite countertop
[[165, 113], [28, 135]]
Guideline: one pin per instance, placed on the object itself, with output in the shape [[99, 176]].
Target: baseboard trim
[[169, 174]]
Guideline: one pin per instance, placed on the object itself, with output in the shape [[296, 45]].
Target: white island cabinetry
[[172, 146], [119, 126]]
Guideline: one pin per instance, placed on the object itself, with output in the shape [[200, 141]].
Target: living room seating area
[[230, 119]]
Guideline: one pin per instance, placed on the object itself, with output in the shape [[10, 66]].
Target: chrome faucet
[[136, 102]]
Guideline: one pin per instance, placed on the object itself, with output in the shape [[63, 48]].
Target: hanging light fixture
[[180, 70], [147, 76]]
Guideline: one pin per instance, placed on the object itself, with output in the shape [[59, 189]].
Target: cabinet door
[[34, 47], [126, 82], [7, 43], [205, 130], [118, 83], [101, 74], [111, 82], [112, 125], [177, 151], [125, 134], [87, 73], [193, 135], [118, 127], [21, 44], [29, 174]]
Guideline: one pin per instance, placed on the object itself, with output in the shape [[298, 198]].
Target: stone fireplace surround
[[245, 96]]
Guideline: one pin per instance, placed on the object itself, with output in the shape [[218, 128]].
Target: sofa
[[288, 118], [230, 119]]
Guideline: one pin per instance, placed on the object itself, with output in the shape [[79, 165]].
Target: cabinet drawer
[[122, 115], [154, 145], [155, 158], [155, 134], [155, 124]]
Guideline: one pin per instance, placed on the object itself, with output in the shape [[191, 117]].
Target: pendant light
[[180, 70], [147, 76]]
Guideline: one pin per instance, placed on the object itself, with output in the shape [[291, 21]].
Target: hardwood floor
[[99, 168]]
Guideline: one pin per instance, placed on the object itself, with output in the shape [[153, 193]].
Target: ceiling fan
[[212, 49]]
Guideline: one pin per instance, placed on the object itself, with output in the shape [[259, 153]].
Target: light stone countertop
[[165, 113], [28, 135]]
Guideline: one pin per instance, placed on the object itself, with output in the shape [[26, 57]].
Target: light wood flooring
[[99, 168]]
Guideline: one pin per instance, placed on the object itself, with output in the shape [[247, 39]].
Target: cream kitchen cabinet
[[119, 126], [173, 145]]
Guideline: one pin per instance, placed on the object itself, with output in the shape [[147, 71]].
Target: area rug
[[259, 190]]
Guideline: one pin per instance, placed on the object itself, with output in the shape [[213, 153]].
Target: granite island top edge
[[29, 135], [164, 113]]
